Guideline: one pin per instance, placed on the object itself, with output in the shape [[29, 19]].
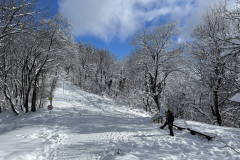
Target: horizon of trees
[[194, 79]]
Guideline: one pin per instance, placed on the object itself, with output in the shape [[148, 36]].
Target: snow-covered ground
[[84, 126]]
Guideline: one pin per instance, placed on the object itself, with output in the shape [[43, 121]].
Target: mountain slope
[[84, 126]]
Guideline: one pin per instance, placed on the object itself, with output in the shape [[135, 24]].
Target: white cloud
[[107, 19], [196, 14]]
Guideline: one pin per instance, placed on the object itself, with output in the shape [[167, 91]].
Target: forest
[[194, 78]]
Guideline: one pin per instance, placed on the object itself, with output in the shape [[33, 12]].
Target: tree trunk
[[156, 100], [215, 96], [5, 88], [26, 103], [216, 106], [41, 90], [34, 98], [27, 99], [10, 101]]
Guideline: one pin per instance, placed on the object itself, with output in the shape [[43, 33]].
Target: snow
[[236, 98], [84, 126], [226, 52]]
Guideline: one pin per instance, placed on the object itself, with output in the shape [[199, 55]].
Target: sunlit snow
[[83, 126]]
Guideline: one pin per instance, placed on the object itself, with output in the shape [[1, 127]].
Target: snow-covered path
[[84, 126]]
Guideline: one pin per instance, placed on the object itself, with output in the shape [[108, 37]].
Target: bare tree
[[14, 16], [29, 45], [158, 49], [215, 62]]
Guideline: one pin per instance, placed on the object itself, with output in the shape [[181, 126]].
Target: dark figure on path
[[169, 122]]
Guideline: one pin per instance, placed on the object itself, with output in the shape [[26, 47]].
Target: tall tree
[[159, 49], [16, 16], [29, 46], [215, 59]]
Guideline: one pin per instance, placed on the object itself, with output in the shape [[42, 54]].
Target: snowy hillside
[[84, 126]]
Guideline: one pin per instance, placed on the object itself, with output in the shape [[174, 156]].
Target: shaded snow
[[236, 98], [84, 126]]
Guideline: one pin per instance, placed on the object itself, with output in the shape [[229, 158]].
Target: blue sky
[[109, 24]]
